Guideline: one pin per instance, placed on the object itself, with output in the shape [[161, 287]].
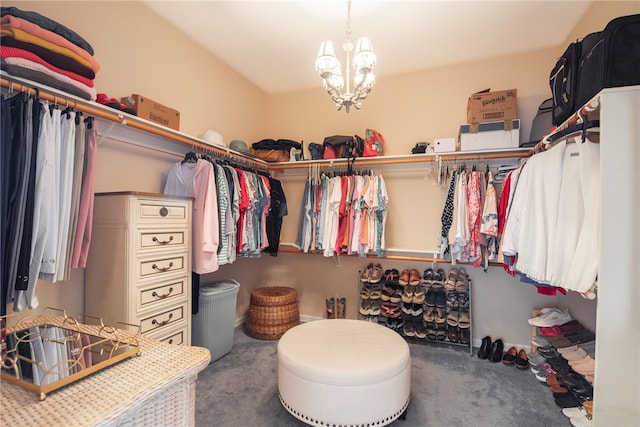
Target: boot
[[331, 308], [341, 307]]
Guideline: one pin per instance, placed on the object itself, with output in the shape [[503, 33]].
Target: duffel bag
[[609, 58], [563, 79]]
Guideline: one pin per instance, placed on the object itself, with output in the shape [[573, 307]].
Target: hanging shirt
[[197, 180]]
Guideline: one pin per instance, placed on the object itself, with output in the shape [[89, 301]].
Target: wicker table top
[[105, 395]]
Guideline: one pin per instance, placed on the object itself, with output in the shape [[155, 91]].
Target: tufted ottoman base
[[340, 372]]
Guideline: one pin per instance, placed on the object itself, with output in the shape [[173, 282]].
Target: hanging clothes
[[344, 214], [197, 180], [47, 174]]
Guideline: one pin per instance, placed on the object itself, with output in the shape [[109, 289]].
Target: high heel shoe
[[483, 352], [496, 351]]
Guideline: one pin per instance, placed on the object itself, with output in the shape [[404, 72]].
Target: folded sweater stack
[[37, 48]]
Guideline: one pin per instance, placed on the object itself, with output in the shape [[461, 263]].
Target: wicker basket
[[273, 310]]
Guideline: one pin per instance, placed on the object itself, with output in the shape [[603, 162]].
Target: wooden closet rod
[[393, 160], [133, 122]]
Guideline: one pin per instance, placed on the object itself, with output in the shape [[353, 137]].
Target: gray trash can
[[212, 326]]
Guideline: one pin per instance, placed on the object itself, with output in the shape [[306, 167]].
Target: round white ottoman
[[342, 372]]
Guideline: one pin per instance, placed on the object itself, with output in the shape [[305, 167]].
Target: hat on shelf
[[213, 138], [239, 146]]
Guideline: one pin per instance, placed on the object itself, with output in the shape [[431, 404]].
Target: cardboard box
[[153, 111], [492, 106], [490, 136], [444, 145]]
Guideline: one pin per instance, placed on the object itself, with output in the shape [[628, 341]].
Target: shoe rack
[[432, 306]]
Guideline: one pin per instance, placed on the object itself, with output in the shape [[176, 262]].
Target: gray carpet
[[448, 388]]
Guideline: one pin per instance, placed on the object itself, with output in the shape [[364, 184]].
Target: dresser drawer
[[162, 211], [159, 267], [163, 319], [159, 294], [177, 338], [159, 239]]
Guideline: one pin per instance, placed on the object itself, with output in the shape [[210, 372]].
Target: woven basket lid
[[273, 295]]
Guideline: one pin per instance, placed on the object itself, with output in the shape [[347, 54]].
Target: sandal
[[414, 277], [465, 336], [387, 291], [441, 333], [365, 292], [427, 277], [331, 304], [440, 315], [438, 279], [419, 295], [450, 283], [452, 334], [374, 310], [396, 296], [375, 273], [431, 331], [462, 281], [421, 332], [452, 318], [429, 315], [375, 292], [403, 279], [407, 295], [464, 321], [365, 308]]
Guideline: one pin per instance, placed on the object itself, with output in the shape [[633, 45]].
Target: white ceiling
[[274, 43]]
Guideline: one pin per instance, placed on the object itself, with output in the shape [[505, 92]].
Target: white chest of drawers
[[139, 265]]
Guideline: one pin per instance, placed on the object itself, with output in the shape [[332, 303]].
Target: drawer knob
[[162, 269], [164, 211], [164, 322], [162, 242], [163, 296]]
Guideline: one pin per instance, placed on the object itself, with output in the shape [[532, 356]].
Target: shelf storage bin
[[213, 324]]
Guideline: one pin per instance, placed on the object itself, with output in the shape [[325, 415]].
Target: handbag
[[342, 146], [316, 150], [373, 143], [273, 155]]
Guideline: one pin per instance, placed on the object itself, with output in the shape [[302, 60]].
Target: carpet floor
[[448, 388]]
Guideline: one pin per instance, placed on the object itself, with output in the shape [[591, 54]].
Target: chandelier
[[364, 61]]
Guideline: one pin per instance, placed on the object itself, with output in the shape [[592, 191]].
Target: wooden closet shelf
[[119, 117], [403, 159]]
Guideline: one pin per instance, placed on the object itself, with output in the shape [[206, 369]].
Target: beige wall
[[141, 53]]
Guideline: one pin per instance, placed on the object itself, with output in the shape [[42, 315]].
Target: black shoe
[[496, 351], [483, 352]]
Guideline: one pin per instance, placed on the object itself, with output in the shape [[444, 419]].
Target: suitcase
[[609, 58], [563, 82], [542, 123]]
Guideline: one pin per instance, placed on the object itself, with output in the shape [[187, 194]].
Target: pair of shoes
[[452, 277], [370, 308], [394, 323], [409, 277], [515, 357], [409, 329], [438, 279], [392, 276], [371, 273], [419, 295], [390, 309], [420, 330], [436, 298], [491, 350], [551, 318], [427, 277], [103, 99], [371, 292]]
